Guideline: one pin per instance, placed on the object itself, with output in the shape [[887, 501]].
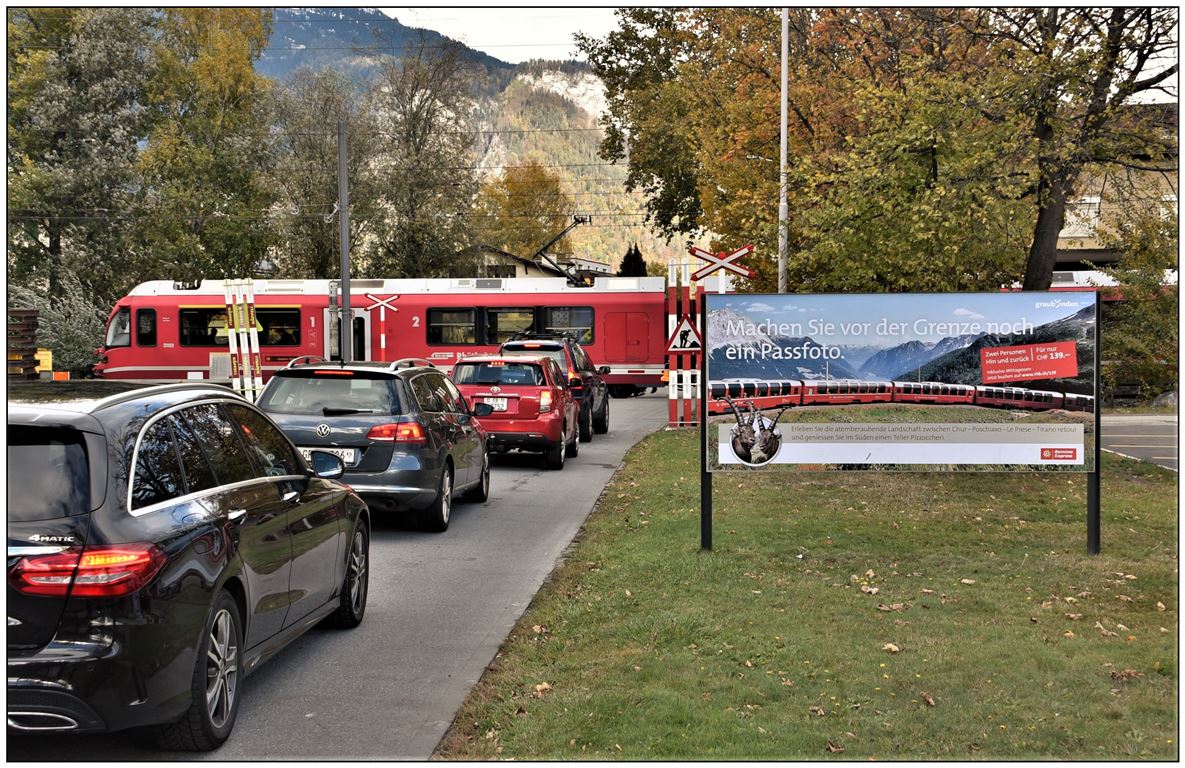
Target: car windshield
[[329, 393], [498, 372], [54, 474], [555, 354]]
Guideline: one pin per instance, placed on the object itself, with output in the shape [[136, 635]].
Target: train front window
[[119, 331], [575, 321], [504, 322], [452, 326]]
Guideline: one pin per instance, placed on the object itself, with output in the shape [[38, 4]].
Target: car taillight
[[404, 432], [102, 571], [545, 400]]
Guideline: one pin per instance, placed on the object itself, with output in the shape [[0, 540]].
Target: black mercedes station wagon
[[163, 542]]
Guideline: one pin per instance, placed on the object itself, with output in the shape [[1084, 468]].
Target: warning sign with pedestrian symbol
[[685, 338]]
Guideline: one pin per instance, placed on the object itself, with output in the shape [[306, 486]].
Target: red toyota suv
[[534, 409]]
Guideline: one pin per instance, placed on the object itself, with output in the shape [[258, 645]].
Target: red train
[[793, 392], [162, 330]]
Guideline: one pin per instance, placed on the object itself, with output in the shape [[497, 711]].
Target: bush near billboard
[[986, 381]]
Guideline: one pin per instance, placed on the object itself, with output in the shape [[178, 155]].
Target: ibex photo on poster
[[975, 381]]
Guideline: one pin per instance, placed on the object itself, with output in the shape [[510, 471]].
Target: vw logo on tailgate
[[322, 430]]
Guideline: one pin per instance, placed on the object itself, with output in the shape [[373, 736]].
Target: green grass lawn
[[847, 616]]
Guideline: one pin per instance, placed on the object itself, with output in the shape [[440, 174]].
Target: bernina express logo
[[1059, 454], [322, 430]]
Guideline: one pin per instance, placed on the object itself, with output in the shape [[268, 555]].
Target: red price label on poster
[[1052, 360]]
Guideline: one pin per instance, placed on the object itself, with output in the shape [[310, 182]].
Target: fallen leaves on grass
[[890, 648], [1160, 606], [542, 689], [1124, 675], [1073, 616], [966, 581], [927, 591], [832, 747], [926, 697], [1068, 634], [817, 710], [869, 590], [892, 607], [1106, 632]]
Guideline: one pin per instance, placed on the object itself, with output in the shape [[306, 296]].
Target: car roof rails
[[311, 358], [411, 362], [541, 336]]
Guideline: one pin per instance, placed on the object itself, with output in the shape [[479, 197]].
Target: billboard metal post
[[1093, 505], [705, 477]]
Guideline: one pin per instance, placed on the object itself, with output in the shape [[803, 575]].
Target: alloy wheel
[[358, 573], [222, 669]]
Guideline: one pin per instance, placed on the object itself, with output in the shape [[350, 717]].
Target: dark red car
[[534, 407]]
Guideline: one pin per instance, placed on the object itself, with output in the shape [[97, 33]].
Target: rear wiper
[[344, 411]]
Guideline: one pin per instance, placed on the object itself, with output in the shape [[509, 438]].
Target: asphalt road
[[440, 606], [1148, 437]]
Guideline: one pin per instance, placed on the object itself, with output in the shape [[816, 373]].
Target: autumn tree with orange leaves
[[916, 156]]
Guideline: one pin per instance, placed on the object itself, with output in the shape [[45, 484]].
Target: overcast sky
[[512, 34]]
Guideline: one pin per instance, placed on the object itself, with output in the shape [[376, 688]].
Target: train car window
[[146, 327], [119, 332], [452, 326], [504, 322], [206, 327], [202, 327], [577, 321], [278, 327]]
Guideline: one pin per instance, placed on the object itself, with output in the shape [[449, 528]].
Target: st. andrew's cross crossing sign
[[722, 261]]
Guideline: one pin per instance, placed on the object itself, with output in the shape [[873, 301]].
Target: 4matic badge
[[41, 538]]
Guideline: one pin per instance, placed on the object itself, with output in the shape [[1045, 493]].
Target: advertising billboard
[[986, 381]]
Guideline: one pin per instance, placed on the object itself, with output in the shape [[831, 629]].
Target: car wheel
[[214, 690], [352, 603], [585, 418], [600, 422], [554, 457], [573, 449], [482, 491], [435, 518]]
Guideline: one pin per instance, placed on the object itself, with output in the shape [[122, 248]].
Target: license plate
[[497, 403], [347, 455]]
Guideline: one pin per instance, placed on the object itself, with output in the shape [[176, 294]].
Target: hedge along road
[[440, 606]]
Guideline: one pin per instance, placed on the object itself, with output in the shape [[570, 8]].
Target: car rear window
[[555, 353], [48, 474], [311, 392], [506, 374]]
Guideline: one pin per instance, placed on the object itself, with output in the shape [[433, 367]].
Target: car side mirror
[[327, 465], [482, 409], [603, 370], [575, 383]]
